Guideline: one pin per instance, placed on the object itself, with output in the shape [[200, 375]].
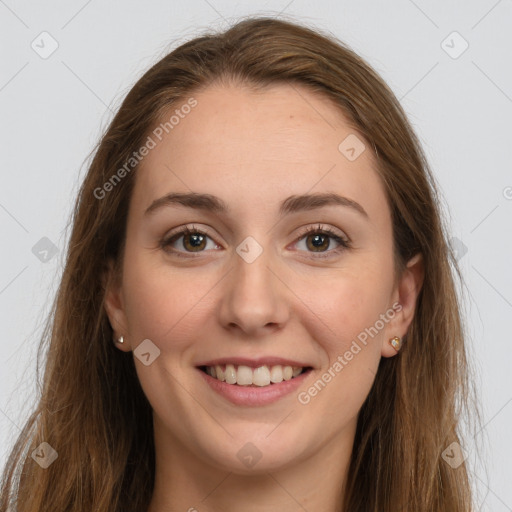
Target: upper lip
[[254, 362]]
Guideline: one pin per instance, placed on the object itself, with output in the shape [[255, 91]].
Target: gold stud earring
[[396, 343]]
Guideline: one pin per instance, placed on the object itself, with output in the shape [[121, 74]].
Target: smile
[[261, 376], [254, 387]]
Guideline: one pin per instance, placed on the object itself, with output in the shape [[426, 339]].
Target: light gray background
[[53, 110]]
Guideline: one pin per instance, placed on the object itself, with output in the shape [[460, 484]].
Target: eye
[[193, 241], [318, 240]]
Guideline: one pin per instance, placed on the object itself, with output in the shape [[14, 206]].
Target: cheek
[[150, 305], [161, 301], [347, 305], [348, 312]]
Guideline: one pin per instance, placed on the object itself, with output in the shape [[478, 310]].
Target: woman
[[257, 310]]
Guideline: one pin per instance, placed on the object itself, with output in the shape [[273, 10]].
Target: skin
[[253, 150]]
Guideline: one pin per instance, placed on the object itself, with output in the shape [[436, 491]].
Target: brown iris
[[196, 241], [317, 243]]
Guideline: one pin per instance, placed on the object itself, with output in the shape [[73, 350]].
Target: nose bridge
[[253, 298]]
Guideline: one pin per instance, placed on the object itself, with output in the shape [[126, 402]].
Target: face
[[250, 286]]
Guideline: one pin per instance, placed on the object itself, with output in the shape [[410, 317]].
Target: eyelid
[[340, 237], [177, 234], [189, 228], [319, 227]]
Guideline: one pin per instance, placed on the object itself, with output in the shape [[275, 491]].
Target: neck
[[185, 483]]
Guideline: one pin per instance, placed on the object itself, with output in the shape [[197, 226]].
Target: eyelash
[[343, 243]]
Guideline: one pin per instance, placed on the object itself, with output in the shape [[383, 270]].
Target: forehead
[[253, 148]]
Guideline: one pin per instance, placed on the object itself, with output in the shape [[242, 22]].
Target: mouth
[[261, 376]]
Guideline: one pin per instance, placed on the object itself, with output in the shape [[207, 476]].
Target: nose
[[254, 298]]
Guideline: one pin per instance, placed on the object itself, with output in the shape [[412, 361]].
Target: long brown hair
[[92, 409]]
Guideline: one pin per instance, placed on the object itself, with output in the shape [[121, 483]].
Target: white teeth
[[246, 376], [220, 373], [276, 374], [261, 376], [230, 374]]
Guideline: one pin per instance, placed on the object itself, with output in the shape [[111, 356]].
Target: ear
[[406, 294], [114, 305]]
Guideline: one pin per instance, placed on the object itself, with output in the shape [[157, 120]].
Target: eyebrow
[[290, 205]]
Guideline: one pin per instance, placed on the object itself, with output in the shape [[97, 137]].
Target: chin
[[256, 452]]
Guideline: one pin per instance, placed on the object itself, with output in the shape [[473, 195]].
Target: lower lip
[[254, 395]]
